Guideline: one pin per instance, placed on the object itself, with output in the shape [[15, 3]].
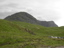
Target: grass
[[25, 35]]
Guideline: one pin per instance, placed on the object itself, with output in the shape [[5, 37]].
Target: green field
[[25, 35]]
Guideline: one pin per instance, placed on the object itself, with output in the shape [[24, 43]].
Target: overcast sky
[[50, 10]]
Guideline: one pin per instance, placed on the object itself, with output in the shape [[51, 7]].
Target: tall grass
[[25, 35]]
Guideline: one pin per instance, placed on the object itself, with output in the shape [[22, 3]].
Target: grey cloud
[[12, 5], [41, 9], [2, 0], [50, 15], [5, 14]]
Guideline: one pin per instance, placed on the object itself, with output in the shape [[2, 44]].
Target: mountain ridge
[[26, 17]]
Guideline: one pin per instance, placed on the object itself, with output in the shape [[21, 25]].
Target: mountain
[[26, 17]]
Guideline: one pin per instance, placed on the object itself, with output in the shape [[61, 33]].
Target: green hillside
[[26, 35]]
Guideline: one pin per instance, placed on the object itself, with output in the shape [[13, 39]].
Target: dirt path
[[52, 47], [60, 47]]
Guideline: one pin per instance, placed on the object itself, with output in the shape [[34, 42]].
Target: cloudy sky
[[49, 10]]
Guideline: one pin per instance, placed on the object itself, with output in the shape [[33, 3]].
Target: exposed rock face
[[25, 17], [21, 16], [51, 24], [48, 23]]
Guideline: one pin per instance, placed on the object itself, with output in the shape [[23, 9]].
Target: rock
[[60, 47]]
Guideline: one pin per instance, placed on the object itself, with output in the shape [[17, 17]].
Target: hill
[[25, 35], [25, 17]]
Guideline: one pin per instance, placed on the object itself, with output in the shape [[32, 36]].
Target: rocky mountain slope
[[26, 17]]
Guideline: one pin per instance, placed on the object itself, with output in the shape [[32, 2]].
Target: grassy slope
[[26, 35]]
